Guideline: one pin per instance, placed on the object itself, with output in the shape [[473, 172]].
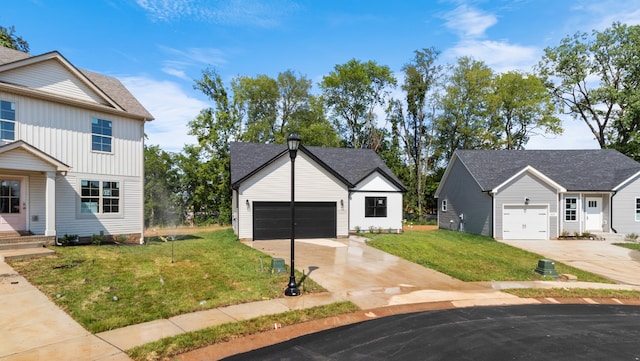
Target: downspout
[[493, 215], [611, 212]]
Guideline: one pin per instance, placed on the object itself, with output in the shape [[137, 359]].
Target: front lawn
[[106, 287], [633, 246], [469, 257]]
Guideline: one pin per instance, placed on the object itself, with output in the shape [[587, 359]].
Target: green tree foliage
[[596, 79], [351, 92], [465, 109], [415, 125], [162, 203], [9, 39], [521, 107]]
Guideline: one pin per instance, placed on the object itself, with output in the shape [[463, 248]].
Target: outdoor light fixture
[[341, 204], [293, 142], [247, 202]]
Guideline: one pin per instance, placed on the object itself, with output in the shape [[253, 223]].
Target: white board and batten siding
[[540, 215], [71, 221], [273, 183], [375, 185], [64, 132]]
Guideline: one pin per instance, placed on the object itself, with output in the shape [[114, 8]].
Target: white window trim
[[444, 205], [15, 122], [99, 215], [635, 215], [564, 213], [102, 135]]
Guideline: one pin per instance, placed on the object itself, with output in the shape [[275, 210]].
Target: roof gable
[[22, 145], [349, 165], [56, 76], [573, 170]]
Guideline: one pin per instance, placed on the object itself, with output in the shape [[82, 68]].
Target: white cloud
[[181, 60], [499, 55], [171, 107], [261, 13], [469, 22], [576, 135]]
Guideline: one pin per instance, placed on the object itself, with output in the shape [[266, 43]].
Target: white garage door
[[525, 222]]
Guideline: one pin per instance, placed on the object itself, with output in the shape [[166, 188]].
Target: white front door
[[13, 206], [593, 214]]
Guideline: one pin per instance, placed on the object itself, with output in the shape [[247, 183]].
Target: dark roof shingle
[[575, 170], [353, 165]]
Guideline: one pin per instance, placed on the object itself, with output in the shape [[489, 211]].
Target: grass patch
[[633, 246], [107, 287], [185, 342], [573, 293], [470, 257]]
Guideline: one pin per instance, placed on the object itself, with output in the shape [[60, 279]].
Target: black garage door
[[272, 220]]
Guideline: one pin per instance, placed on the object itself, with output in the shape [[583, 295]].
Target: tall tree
[[522, 107], [9, 39], [464, 120], [162, 201], [352, 92], [597, 79]]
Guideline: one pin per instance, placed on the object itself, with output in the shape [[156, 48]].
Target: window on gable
[[570, 209], [95, 193], [637, 209], [375, 206], [7, 120], [444, 205], [101, 135]]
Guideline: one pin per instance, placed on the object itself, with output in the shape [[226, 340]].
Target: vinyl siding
[[37, 205], [50, 76], [19, 159], [571, 227], [70, 221], [464, 196], [375, 185], [538, 192], [64, 132], [624, 208], [273, 183]]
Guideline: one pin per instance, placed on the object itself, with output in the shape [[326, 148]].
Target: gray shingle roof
[[112, 87], [350, 165], [575, 170]]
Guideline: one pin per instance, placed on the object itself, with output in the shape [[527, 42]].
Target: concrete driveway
[[370, 278], [601, 257]]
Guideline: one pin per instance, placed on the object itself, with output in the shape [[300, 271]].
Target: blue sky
[[158, 47]]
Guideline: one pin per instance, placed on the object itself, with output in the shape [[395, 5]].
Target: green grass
[[573, 293], [469, 257], [633, 246], [167, 347], [209, 270]]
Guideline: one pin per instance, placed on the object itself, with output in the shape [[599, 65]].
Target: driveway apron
[[370, 278], [601, 257]]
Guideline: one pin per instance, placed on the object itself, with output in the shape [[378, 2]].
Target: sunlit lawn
[[106, 287], [469, 257], [633, 246]]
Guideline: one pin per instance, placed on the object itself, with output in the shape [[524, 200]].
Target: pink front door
[[12, 205]]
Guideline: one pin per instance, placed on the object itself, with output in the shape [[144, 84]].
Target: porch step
[[25, 253], [21, 245]]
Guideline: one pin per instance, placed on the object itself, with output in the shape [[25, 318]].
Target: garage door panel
[[272, 220], [525, 222]]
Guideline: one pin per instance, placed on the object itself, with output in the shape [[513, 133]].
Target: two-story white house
[[71, 150]]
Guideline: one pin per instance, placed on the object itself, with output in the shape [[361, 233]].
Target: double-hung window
[[101, 135], [99, 197], [571, 209], [375, 206], [7, 120], [637, 209]]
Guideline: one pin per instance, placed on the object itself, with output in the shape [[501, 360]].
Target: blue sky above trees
[[158, 47]]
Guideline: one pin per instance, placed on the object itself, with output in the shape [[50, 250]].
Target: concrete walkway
[[34, 328]]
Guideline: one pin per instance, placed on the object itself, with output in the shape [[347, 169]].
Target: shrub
[[357, 228], [632, 237], [97, 239], [68, 239]]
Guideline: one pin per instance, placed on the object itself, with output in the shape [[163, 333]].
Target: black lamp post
[[293, 142]]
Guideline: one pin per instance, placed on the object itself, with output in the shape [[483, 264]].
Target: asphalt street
[[527, 332]]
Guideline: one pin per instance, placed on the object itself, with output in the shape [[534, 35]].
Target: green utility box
[[546, 267], [277, 266]]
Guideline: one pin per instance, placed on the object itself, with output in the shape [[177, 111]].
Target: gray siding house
[[540, 194], [336, 191]]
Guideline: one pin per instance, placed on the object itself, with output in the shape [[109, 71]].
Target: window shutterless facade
[[375, 206], [571, 209], [637, 209], [101, 135], [444, 205], [99, 197], [7, 120]]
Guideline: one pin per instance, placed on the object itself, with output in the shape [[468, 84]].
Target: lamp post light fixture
[[293, 142]]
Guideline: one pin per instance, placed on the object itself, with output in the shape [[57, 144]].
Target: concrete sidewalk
[[36, 329]]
